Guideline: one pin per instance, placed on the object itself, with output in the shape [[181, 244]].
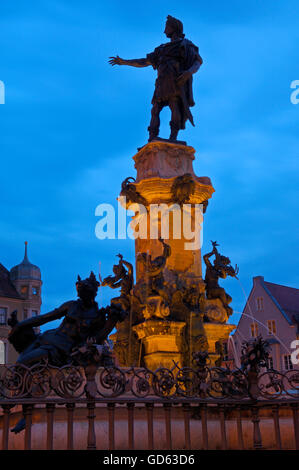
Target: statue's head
[[224, 260], [119, 270], [87, 288], [173, 26]]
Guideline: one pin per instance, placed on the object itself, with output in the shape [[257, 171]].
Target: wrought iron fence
[[42, 380], [199, 392]]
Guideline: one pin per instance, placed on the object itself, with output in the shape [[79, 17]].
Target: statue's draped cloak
[[170, 60]]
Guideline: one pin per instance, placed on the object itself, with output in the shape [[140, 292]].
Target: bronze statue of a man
[[176, 62]]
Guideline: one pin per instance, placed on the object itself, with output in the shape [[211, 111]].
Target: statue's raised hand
[[215, 244], [116, 60]]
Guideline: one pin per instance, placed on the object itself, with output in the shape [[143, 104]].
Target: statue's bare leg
[[175, 123], [32, 356], [155, 121]]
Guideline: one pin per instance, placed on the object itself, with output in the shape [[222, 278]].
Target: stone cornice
[[158, 190]]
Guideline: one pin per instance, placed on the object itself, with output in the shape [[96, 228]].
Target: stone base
[[162, 342], [166, 159], [39, 428], [216, 332]]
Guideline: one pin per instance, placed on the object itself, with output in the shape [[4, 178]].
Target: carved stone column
[[158, 164]]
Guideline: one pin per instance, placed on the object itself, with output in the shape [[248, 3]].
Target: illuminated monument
[[172, 311]]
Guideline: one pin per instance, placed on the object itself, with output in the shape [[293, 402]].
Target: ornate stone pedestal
[[162, 342], [168, 308]]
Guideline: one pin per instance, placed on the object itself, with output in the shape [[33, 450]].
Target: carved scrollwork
[[156, 308]]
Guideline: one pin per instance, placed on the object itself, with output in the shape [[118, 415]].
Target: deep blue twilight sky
[[71, 124]]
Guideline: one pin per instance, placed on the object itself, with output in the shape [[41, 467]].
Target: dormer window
[[260, 303]]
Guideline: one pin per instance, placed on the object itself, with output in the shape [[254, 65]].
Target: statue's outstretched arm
[[39, 320], [132, 62], [129, 267], [115, 285], [111, 281], [206, 258]]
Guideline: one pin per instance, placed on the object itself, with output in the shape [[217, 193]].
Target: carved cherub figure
[[123, 278], [154, 269], [221, 268]]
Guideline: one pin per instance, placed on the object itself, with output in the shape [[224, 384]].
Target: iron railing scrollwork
[[43, 380]]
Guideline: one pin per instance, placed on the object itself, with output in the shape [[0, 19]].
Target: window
[[24, 291], [271, 327], [34, 313], [2, 352], [260, 303], [25, 313], [34, 290], [287, 362], [3, 315], [270, 362], [254, 330]]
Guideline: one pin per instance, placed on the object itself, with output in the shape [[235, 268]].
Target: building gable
[[7, 289]]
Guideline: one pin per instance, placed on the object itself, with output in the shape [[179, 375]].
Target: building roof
[[25, 270], [7, 289], [287, 298]]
